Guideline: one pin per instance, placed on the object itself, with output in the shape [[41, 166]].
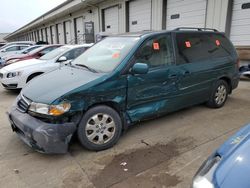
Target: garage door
[[186, 13], [48, 35], [60, 36], [140, 15], [79, 29], [44, 35], [111, 17], [240, 28], [67, 32], [53, 34]]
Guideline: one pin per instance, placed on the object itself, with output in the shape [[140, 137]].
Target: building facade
[[78, 21]]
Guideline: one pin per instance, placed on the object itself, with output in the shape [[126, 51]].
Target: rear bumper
[[41, 136]]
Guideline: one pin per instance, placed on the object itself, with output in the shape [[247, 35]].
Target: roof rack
[[195, 28]]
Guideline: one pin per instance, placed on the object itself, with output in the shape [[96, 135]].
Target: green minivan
[[122, 80]]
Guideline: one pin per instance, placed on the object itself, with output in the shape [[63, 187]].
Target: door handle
[[185, 73], [172, 76]]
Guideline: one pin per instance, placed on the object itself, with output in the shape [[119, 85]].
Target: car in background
[[229, 165], [12, 49], [24, 51], [36, 53], [2, 44], [122, 80], [17, 75], [18, 42]]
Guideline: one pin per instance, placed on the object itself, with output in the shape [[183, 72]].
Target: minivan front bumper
[[41, 136]]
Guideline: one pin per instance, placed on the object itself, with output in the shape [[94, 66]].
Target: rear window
[[197, 47]]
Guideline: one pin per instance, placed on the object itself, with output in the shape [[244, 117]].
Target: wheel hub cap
[[220, 95], [100, 128]]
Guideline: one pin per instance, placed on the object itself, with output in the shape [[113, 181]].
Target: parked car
[[36, 53], [18, 43], [12, 49], [17, 75], [2, 44], [24, 51], [228, 166], [122, 80]]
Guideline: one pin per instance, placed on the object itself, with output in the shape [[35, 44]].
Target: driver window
[[156, 52]]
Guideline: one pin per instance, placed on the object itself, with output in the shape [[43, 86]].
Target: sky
[[16, 13]]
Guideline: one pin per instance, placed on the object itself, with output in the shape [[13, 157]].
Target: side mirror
[[62, 59], [3, 50], [140, 68]]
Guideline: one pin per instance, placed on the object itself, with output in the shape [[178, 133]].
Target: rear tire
[[219, 94], [100, 128]]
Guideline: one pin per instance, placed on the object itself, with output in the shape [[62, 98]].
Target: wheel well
[[229, 82], [114, 106], [33, 75]]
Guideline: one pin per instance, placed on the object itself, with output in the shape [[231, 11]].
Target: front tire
[[219, 94], [100, 128]]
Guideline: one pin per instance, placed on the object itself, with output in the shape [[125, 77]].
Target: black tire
[[213, 101], [88, 118]]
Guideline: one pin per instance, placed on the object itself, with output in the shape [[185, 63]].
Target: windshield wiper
[[87, 67]]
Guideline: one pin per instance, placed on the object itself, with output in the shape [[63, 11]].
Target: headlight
[[53, 110], [204, 176], [13, 74]]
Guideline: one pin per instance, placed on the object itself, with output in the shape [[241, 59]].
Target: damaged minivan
[[122, 80]]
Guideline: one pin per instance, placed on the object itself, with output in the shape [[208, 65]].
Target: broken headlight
[[53, 110]]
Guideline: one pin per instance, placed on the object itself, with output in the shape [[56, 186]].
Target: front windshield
[[106, 55], [54, 53], [27, 50], [35, 50]]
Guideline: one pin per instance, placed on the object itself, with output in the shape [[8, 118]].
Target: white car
[[17, 75], [12, 49]]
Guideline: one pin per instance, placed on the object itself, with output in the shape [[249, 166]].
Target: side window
[[72, 54], [13, 48], [23, 47], [156, 52], [193, 47], [221, 47]]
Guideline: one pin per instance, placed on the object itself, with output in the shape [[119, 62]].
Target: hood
[[23, 64], [51, 86], [234, 168]]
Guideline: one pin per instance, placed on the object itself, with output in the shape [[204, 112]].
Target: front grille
[[23, 104]]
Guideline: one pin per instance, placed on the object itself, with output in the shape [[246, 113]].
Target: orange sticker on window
[[217, 42], [156, 46], [116, 55], [188, 44]]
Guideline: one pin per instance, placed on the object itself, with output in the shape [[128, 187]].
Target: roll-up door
[[186, 13], [240, 27], [53, 34], [60, 36], [111, 20], [79, 30], [140, 15], [67, 32]]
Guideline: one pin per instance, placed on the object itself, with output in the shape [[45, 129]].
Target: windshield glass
[[35, 50], [29, 49], [106, 55], [54, 53]]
